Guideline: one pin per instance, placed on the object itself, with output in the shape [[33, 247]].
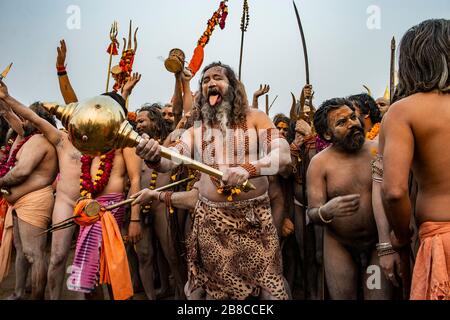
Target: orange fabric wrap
[[113, 260], [6, 247], [432, 267], [114, 268], [3, 210], [197, 60], [81, 218]]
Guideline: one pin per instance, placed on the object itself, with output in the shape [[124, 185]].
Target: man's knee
[[32, 256], [144, 255], [57, 259]]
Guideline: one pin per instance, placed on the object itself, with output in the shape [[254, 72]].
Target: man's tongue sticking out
[[214, 98]]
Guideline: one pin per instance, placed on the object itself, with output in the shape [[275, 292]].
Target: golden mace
[[99, 124]]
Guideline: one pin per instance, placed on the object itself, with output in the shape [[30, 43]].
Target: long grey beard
[[219, 115]]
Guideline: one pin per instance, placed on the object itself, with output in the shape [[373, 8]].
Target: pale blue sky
[[343, 52]]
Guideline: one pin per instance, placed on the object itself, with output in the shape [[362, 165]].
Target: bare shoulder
[[409, 107], [38, 145], [371, 146], [39, 140], [321, 158], [259, 119]]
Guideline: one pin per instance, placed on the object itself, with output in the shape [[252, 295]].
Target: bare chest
[[349, 177]]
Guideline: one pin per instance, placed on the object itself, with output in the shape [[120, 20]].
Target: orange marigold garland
[[89, 188], [219, 17], [373, 133], [131, 116], [122, 72]]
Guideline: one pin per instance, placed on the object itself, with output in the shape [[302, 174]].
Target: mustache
[[356, 129], [213, 91]]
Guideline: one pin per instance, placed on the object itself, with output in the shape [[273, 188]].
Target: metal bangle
[[321, 218]]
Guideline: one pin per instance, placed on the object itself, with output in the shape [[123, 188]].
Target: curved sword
[[5, 72], [305, 51]]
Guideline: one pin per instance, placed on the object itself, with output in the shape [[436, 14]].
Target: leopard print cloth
[[234, 251]]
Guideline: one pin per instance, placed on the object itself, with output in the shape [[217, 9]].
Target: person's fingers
[[398, 266], [392, 278], [153, 153], [346, 213], [350, 197]]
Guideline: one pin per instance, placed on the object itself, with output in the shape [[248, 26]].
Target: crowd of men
[[344, 201]]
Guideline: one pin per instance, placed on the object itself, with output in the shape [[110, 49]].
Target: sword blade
[[305, 50], [5, 72]]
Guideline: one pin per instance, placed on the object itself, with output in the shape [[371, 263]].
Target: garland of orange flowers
[[89, 188], [219, 17], [146, 208], [373, 133]]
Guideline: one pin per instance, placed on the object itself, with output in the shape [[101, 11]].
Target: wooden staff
[[392, 71]]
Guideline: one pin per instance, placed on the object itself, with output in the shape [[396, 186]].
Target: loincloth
[[85, 270], [430, 280], [34, 208], [234, 251]]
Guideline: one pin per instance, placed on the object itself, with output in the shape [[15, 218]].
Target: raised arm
[[129, 86], [64, 83], [261, 91], [177, 100], [51, 133], [13, 120], [188, 101]]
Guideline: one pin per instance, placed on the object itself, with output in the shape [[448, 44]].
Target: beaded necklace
[[239, 155]]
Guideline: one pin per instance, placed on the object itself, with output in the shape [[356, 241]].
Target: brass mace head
[[96, 125]]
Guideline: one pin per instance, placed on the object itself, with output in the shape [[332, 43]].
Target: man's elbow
[[393, 193]]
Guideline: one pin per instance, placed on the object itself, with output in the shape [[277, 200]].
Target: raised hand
[[61, 58], [131, 83], [263, 89], [303, 128], [186, 75]]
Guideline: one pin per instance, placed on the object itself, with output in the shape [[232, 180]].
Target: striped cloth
[[85, 270]]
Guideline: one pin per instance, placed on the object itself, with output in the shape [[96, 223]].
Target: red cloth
[[197, 60]]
